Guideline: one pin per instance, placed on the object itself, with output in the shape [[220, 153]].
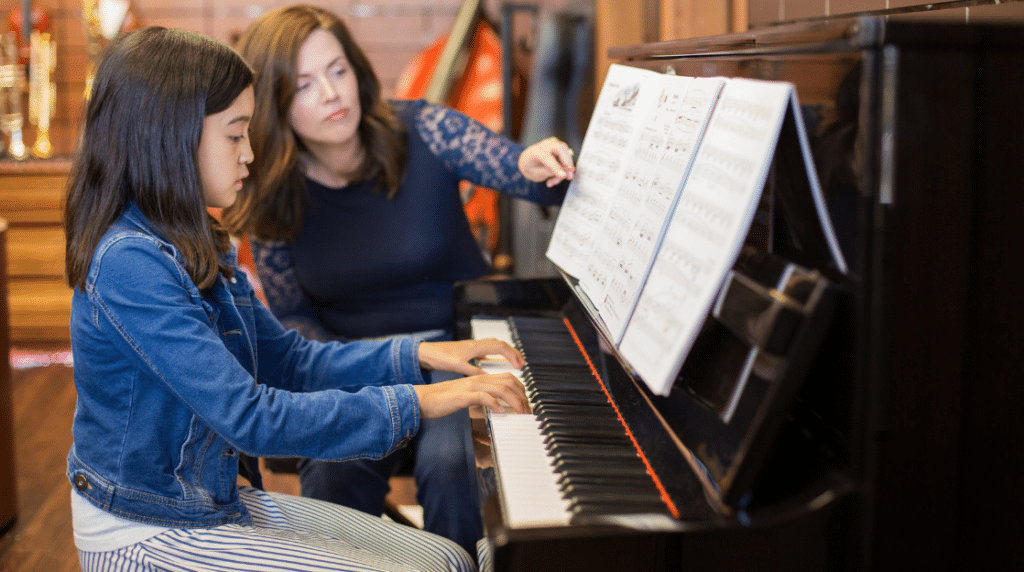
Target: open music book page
[[634, 225], [626, 99], [706, 229]]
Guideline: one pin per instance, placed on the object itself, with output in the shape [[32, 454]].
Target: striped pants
[[289, 534]]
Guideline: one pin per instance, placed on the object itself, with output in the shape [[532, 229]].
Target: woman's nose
[[327, 88]]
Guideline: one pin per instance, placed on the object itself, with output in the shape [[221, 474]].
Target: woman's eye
[[303, 86]]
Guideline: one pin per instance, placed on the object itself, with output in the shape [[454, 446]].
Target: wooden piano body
[[898, 449]]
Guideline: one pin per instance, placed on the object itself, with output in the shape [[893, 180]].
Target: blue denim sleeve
[[479, 155], [144, 305]]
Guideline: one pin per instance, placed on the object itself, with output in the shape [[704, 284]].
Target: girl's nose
[[247, 155]]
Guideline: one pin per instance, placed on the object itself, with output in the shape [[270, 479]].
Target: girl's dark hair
[[272, 200], [140, 142]]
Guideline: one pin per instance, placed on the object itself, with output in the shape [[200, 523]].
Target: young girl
[[359, 230], [178, 366]]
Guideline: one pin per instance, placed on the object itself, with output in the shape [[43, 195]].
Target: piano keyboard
[[571, 458]]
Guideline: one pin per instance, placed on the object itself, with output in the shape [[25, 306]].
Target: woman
[[358, 229], [179, 368]]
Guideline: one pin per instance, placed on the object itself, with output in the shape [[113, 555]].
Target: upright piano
[[885, 433]]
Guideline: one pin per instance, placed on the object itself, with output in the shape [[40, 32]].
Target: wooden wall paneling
[[616, 23], [695, 19], [627, 23]]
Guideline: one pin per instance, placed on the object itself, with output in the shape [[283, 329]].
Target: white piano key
[[526, 480]]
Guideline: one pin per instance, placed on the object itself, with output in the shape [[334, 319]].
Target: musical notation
[[610, 143], [667, 185], [637, 184], [704, 234]]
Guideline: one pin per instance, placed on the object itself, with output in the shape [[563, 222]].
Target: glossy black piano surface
[[895, 447]]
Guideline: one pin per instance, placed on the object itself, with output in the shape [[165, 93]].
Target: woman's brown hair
[[270, 205], [140, 144]]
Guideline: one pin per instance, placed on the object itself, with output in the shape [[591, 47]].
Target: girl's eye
[[303, 86]]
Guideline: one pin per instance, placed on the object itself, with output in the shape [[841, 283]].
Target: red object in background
[[478, 94], [15, 21], [245, 259]]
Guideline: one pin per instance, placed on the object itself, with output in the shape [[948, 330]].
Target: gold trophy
[[104, 20], [42, 92], [94, 40], [12, 84]]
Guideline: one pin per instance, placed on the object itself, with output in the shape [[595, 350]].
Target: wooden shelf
[[31, 198]]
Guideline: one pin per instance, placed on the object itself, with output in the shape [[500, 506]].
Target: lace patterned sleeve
[[285, 296], [479, 155]]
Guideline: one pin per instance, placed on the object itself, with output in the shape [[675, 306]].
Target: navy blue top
[[364, 265]]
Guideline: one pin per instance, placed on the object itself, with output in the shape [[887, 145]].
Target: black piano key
[[568, 469], [580, 423], [555, 429], [596, 451], [586, 440], [605, 497], [569, 399], [600, 471], [587, 452], [597, 509], [558, 410], [582, 485], [610, 481]]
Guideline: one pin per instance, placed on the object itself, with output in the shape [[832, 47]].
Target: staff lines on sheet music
[[749, 111], [676, 152], [701, 228], [624, 279], [649, 146], [615, 226], [620, 125], [682, 267], [660, 196], [655, 320], [632, 191], [713, 214], [599, 267], [692, 111], [742, 128], [641, 238], [631, 194], [715, 177], [596, 166], [736, 163], [571, 241], [614, 139], [587, 206]]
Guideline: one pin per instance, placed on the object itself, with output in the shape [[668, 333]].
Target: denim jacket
[[174, 382]]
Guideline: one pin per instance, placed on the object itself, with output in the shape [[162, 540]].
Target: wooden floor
[[41, 540]]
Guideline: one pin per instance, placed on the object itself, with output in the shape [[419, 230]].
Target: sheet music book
[[637, 152], [653, 298], [625, 102], [648, 191]]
